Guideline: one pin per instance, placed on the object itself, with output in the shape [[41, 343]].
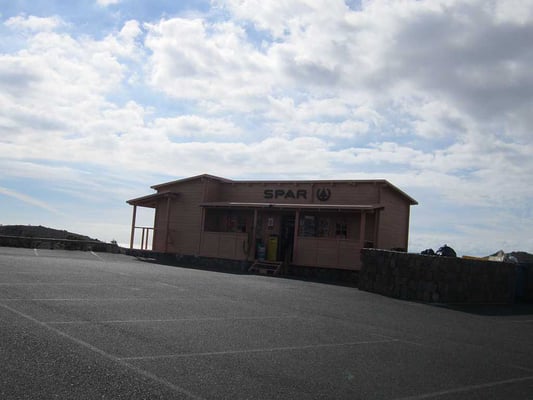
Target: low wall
[[436, 279], [57, 244], [524, 290], [190, 261]]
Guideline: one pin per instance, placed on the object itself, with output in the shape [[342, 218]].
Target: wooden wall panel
[[394, 221], [328, 253], [227, 245], [360, 193], [184, 218]]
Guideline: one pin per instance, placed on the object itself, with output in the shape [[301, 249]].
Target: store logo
[[323, 194], [284, 194]]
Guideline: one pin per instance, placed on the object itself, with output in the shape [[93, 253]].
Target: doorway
[[287, 237]]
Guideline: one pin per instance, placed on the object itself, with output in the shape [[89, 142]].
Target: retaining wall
[[436, 279], [525, 282], [57, 244]]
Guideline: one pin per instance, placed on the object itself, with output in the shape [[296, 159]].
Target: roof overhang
[[285, 206], [296, 182], [152, 199]]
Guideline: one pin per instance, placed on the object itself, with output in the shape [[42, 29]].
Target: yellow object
[[272, 248]]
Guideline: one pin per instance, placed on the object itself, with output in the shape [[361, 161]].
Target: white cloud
[[28, 199], [34, 24], [192, 59], [105, 3], [511, 11], [193, 126]]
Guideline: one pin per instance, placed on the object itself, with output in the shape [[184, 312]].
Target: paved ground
[[78, 325]]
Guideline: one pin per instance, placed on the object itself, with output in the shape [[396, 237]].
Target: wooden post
[[362, 230], [133, 226], [407, 228], [142, 239], [376, 229], [253, 237], [295, 241], [146, 238], [202, 230], [167, 224]]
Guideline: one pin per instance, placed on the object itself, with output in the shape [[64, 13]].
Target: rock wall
[[524, 288], [436, 279], [57, 244]]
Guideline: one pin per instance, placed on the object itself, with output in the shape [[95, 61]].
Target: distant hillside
[[40, 232], [523, 257]]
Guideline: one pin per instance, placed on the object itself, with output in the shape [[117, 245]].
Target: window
[[341, 230], [226, 221], [307, 226], [324, 225]]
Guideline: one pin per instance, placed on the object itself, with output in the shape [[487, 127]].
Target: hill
[[523, 257], [31, 231]]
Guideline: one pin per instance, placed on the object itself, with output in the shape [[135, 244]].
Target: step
[[266, 267]]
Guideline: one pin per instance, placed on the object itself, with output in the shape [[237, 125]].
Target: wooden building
[[322, 223]]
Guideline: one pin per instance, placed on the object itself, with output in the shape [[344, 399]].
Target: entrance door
[[287, 237]]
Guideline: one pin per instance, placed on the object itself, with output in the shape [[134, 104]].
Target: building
[[322, 223]]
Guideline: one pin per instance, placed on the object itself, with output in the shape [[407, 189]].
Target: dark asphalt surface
[[82, 325]]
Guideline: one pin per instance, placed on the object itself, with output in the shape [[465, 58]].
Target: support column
[[407, 228], [202, 230], [146, 238], [253, 236], [295, 242], [132, 237], [167, 224], [376, 229], [142, 239], [362, 229]]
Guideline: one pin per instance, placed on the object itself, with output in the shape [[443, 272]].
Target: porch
[[305, 235]]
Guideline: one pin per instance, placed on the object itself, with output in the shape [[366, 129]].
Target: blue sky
[[99, 100]]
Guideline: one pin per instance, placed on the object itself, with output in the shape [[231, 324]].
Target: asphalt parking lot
[[82, 325]]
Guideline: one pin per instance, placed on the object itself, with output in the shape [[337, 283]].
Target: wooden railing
[[145, 236]]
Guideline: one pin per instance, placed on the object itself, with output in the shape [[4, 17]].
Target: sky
[[101, 99]]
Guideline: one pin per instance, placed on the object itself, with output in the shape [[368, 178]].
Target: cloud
[[193, 59], [105, 3], [34, 24], [28, 199], [193, 126], [431, 62]]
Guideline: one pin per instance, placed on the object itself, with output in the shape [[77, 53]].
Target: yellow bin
[[272, 248]]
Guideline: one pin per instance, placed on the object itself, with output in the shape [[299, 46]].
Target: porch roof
[[288, 206], [151, 200]]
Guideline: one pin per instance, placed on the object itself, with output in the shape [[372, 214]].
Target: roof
[[151, 199], [319, 181], [332, 207], [192, 178]]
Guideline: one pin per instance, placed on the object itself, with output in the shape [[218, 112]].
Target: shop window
[[235, 222], [225, 221], [323, 225], [307, 226], [341, 230]]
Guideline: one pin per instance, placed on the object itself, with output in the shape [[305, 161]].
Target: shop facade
[[322, 223]]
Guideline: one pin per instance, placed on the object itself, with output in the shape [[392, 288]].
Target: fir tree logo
[[323, 194]]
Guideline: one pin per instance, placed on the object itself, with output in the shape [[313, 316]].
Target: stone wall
[[525, 282], [57, 244], [189, 261], [436, 279]]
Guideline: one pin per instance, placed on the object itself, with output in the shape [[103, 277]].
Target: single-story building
[[308, 223]]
